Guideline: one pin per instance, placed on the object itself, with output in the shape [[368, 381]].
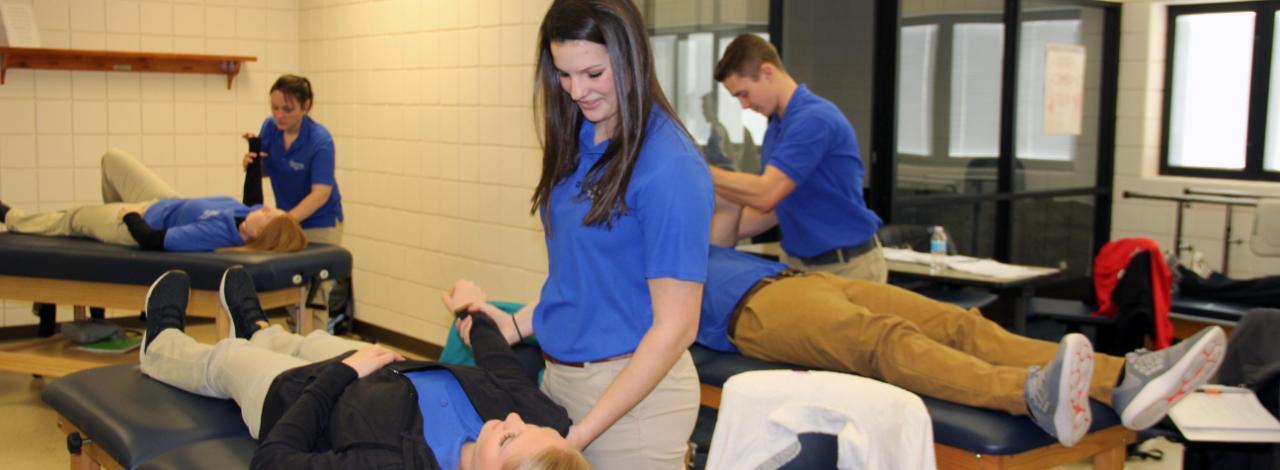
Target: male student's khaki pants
[[903, 338]]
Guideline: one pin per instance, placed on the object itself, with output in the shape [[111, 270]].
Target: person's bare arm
[[308, 205], [761, 192]]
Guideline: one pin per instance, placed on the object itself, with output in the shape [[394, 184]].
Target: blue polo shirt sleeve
[[802, 149], [676, 220], [204, 235], [322, 163]]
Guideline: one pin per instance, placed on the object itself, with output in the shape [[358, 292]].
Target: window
[[1220, 69], [688, 38], [916, 81], [975, 89]]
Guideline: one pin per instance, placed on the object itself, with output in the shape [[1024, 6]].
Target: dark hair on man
[[619, 27], [297, 87], [744, 56]]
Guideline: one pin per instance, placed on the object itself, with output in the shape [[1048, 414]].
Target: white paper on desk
[[993, 268], [1233, 415], [906, 256]]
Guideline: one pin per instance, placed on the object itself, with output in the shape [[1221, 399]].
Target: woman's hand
[[505, 323], [370, 359], [249, 156], [463, 294]]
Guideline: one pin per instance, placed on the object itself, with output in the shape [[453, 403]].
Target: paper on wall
[[1064, 88], [18, 25]]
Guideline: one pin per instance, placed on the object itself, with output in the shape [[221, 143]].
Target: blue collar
[[797, 100]]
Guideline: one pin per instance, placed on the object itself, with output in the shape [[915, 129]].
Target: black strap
[[253, 183], [148, 238]]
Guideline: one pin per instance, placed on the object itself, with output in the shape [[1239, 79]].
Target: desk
[[1021, 288]]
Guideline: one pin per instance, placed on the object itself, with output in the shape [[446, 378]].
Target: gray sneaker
[[1155, 381], [1058, 393]]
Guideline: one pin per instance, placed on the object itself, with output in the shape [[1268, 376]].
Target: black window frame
[[1259, 96], [884, 198]]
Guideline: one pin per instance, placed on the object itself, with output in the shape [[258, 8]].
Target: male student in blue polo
[[811, 182]]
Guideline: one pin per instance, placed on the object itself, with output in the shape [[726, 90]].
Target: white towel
[[876, 425], [1266, 228]]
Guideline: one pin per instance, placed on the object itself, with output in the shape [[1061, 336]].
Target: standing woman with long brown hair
[[625, 200]]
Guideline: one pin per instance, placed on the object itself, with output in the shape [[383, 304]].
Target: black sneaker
[[240, 300], [166, 305]]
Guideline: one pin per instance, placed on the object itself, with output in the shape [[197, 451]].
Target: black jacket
[[320, 416]]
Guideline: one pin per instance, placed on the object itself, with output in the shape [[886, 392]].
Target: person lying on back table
[[140, 210], [326, 402], [768, 311]]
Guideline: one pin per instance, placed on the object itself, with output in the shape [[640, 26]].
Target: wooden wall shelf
[[119, 61]]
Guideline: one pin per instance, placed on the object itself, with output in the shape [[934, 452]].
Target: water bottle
[[937, 250]]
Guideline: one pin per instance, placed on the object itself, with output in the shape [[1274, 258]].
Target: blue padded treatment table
[[87, 273], [137, 422], [1214, 310], [964, 436]]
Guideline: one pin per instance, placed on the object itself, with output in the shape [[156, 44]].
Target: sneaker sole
[[146, 301], [1190, 372], [226, 309], [1072, 421]]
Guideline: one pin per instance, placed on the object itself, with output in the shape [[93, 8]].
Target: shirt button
[[444, 403]]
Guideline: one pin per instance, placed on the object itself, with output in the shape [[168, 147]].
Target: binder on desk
[[1217, 413]]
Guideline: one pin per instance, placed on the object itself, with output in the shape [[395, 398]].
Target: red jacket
[[1110, 264]]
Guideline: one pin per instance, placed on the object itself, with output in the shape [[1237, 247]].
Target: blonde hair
[[281, 235], [552, 458]]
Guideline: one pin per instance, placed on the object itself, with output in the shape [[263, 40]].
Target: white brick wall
[[1138, 134], [54, 125], [429, 103]]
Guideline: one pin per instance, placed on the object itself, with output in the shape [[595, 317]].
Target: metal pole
[[1177, 230], [1226, 244]]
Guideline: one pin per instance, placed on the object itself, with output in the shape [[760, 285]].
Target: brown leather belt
[[841, 254], [742, 303], [580, 365]]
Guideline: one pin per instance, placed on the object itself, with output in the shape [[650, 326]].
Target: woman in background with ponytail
[[297, 154]]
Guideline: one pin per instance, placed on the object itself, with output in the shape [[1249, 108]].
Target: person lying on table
[[140, 209], [326, 402], [767, 311]]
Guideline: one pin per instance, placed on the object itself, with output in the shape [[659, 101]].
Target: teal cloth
[[456, 352]]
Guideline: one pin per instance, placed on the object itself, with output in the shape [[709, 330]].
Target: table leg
[[1021, 306]]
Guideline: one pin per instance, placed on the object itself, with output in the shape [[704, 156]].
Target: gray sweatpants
[[125, 182], [235, 368]]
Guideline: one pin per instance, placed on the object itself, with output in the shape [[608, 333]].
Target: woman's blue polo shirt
[[595, 303], [310, 160]]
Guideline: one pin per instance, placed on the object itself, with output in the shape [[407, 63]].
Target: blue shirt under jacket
[[449, 420]]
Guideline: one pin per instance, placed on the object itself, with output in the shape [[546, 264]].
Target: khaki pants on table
[[653, 435], [235, 368], [125, 182], [903, 338]]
